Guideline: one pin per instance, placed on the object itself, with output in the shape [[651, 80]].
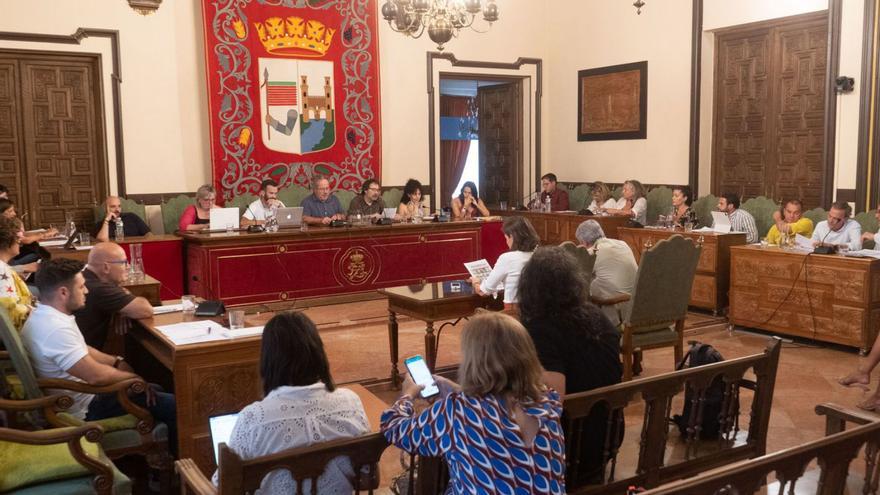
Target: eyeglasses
[[374, 189], [117, 262]]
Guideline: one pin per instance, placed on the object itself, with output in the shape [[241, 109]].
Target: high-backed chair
[[293, 195], [762, 209], [658, 306], [391, 197], [868, 221], [704, 207], [306, 464], [56, 461], [128, 206], [134, 433], [586, 260], [659, 203], [344, 198], [816, 215], [172, 209], [579, 197], [241, 202]]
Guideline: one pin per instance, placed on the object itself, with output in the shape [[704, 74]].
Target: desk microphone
[[527, 201], [822, 248], [255, 228]]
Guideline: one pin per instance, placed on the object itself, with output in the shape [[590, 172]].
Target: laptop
[[290, 217], [222, 217], [221, 430]]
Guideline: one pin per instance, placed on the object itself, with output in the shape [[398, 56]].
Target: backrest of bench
[[656, 394]]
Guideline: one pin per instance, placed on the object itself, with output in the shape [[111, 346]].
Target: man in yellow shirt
[[789, 222]]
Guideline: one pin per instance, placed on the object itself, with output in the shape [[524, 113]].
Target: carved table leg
[[430, 346], [392, 345]]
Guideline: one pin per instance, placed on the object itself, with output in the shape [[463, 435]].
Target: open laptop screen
[[221, 430]]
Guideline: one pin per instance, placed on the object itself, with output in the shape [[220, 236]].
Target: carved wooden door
[[500, 143], [11, 145], [60, 136], [769, 110]]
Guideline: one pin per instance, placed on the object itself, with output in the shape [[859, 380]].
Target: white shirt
[[256, 210], [292, 417], [614, 272], [877, 241], [507, 270], [743, 221], [639, 209], [850, 234], [610, 203], [55, 344]]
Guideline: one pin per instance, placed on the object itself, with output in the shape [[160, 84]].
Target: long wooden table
[[554, 228], [242, 268], [830, 298], [712, 278]]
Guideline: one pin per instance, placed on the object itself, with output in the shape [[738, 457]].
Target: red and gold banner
[[293, 89]]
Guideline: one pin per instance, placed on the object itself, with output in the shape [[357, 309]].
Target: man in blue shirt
[[321, 207]]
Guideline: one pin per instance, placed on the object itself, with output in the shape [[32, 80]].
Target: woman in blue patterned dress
[[499, 431]]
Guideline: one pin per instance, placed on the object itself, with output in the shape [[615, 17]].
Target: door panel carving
[[500, 138], [11, 158]]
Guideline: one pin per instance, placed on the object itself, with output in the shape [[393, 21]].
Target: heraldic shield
[[296, 105]]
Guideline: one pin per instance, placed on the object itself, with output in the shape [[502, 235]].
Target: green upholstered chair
[[586, 261], [704, 207], [344, 198], [816, 215], [293, 195], [128, 206], [134, 433], [391, 197], [617, 193], [241, 202], [172, 209], [659, 203], [762, 209], [579, 197], [57, 461], [868, 221], [658, 306]]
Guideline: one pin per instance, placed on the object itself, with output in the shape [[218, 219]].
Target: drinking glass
[[503, 205], [236, 319], [688, 226], [188, 303], [85, 239]]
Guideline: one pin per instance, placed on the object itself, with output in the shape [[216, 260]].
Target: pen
[[209, 330]]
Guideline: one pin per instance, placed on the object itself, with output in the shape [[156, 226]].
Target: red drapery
[[453, 152]]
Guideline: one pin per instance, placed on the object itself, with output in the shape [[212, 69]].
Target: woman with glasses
[[198, 215]]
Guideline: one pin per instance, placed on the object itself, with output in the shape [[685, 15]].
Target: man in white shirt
[[255, 214], [615, 270], [839, 230], [57, 349], [740, 220]]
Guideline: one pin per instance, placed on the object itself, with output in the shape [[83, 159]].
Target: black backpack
[[698, 355]]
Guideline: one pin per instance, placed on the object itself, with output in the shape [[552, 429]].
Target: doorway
[[481, 137]]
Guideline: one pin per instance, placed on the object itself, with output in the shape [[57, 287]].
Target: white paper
[[704, 230], [243, 332], [192, 332], [864, 253], [84, 248], [479, 269], [170, 308], [803, 243], [721, 222], [57, 242]]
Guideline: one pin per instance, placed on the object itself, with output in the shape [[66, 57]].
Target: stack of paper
[[169, 308], [192, 332], [243, 332]]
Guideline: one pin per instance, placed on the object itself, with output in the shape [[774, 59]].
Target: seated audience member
[[740, 220], [468, 203], [321, 207], [789, 222], [632, 203], [108, 305], [15, 297], [558, 197], [30, 251], [615, 270], [521, 240], [301, 406], [4, 192], [501, 402], [411, 202], [255, 213], [602, 199], [579, 348], [839, 230], [57, 350], [369, 202], [132, 225], [682, 199], [867, 236], [198, 216]]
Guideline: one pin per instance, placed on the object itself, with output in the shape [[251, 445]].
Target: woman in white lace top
[[301, 406]]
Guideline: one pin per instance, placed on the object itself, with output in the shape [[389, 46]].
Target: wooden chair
[[833, 456], [658, 306], [586, 261], [56, 461], [304, 464], [135, 433]]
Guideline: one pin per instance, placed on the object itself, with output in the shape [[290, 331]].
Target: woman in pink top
[[198, 216]]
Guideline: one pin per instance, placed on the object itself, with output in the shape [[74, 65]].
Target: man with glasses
[[132, 225], [839, 230], [321, 207], [369, 203], [108, 304]]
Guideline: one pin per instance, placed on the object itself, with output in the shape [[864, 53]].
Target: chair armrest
[[4, 355], [122, 388], [611, 301], [54, 401], [192, 478], [836, 417]]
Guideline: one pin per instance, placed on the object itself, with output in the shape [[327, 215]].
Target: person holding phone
[[502, 401]]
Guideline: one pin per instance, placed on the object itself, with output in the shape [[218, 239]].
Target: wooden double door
[[769, 128], [52, 135]]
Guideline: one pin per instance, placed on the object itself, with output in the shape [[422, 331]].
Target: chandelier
[[469, 123], [443, 19], [638, 4]]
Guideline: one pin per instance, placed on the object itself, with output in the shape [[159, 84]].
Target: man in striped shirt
[[740, 220]]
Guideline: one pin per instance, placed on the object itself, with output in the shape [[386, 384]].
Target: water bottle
[[120, 232], [547, 203]]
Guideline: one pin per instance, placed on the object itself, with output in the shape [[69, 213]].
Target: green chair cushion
[[78, 486], [704, 207], [816, 215], [25, 465], [344, 198], [650, 338], [293, 195], [126, 422], [128, 206], [392, 197], [120, 432], [659, 202], [172, 210], [762, 209], [579, 197]]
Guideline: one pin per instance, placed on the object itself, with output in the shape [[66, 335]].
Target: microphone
[[527, 201], [822, 248], [255, 228]]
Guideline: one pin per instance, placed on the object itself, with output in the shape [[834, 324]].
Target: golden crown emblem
[[295, 36], [357, 257]]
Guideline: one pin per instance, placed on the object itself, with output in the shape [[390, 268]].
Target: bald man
[[132, 225], [108, 304]]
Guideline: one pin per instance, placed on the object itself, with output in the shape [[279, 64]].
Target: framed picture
[[613, 102]]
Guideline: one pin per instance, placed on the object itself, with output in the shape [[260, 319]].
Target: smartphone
[[418, 370]]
